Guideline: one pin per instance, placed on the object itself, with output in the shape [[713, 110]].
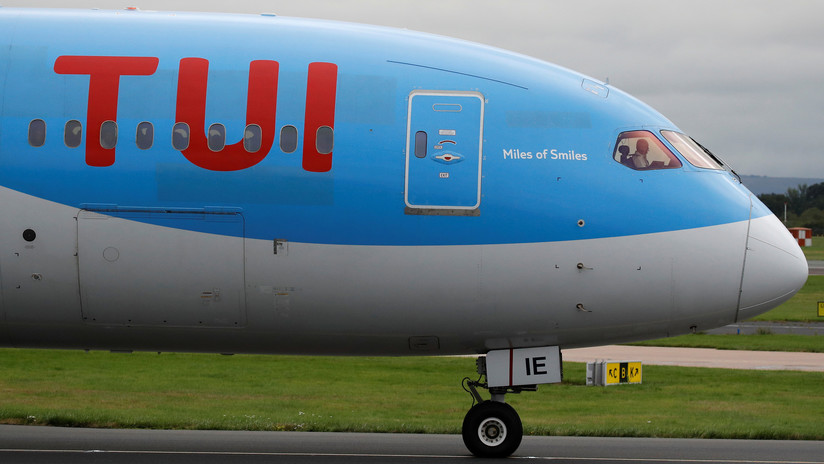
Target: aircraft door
[[444, 151]]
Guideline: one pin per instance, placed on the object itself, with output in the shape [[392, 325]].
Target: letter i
[[321, 88]]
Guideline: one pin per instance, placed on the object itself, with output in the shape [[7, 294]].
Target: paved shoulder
[[701, 357]]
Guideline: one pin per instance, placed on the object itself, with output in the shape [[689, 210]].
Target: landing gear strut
[[491, 428]]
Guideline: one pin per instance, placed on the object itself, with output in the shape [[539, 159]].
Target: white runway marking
[[415, 456]]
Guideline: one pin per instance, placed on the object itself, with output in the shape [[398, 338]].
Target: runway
[[34, 445]]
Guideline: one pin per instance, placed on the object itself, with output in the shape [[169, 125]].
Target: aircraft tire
[[492, 430]]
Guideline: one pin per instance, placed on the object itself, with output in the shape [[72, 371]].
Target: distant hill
[[763, 184]]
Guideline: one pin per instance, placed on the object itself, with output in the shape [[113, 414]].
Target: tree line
[[805, 206]]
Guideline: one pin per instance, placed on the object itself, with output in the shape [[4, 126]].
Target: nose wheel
[[492, 429]]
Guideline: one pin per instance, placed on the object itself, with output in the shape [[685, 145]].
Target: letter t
[[104, 82]]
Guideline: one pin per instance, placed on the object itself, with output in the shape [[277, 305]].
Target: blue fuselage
[[264, 184]]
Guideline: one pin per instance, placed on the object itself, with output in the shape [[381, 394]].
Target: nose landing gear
[[491, 428]]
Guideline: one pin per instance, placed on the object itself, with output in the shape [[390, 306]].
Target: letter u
[[261, 104]]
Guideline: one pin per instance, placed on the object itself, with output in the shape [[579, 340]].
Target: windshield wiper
[[718, 160]]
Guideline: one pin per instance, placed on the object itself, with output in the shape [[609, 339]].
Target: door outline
[[417, 208], [198, 284]]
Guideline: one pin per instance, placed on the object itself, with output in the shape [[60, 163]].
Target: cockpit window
[[697, 155], [642, 151]]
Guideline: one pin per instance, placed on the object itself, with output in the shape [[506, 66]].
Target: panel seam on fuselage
[[744, 264], [434, 68]]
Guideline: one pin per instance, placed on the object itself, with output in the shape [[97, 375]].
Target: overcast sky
[[743, 77]]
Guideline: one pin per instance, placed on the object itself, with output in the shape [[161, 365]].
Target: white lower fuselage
[[100, 282]]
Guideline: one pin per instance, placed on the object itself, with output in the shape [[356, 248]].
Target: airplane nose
[[774, 267]]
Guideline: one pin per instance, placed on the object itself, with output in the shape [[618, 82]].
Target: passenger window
[[252, 138], [324, 140], [73, 133], [108, 135], [289, 139], [420, 144], [37, 132], [145, 135], [180, 136], [697, 155], [217, 137], [643, 151]]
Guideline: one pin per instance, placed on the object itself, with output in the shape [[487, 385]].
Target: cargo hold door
[[153, 268], [444, 149]]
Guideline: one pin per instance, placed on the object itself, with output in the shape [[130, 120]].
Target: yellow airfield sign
[[616, 373], [821, 309]]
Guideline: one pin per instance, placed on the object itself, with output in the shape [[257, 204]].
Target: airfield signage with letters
[[604, 373], [616, 373]]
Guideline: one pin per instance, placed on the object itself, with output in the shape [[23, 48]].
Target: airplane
[[232, 183]]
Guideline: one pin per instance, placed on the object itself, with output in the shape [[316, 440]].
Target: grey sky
[[743, 77]]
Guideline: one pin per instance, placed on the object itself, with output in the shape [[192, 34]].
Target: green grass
[[190, 391], [682, 402], [816, 251]]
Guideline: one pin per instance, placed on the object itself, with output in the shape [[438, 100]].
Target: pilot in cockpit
[[649, 154], [625, 157], [639, 158]]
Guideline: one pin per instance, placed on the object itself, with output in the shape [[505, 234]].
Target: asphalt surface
[[765, 327], [34, 445], [701, 357], [816, 267]]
